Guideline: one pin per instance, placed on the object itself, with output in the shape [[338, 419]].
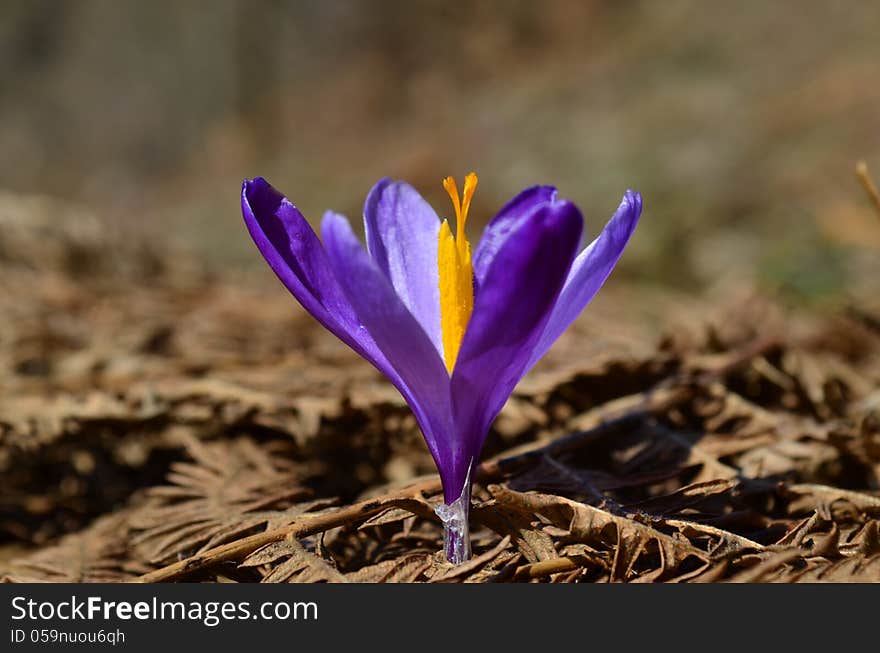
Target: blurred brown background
[[740, 122], [161, 392]]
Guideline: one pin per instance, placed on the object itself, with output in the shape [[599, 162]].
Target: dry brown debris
[[174, 427]]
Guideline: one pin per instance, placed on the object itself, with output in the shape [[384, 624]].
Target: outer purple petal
[[402, 236], [511, 309], [293, 251], [422, 376], [501, 226], [589, 271]]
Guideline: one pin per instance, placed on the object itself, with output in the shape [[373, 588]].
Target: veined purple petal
[[424, 382], [402, 232], [511, 309], [293, 251], [504, 222], [589, 271]]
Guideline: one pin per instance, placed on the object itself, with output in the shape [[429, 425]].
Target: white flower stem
[[456, 531]]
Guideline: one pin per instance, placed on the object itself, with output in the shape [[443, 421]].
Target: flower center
[[456, 271]]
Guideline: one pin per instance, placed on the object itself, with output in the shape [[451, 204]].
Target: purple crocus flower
[[454, 332]]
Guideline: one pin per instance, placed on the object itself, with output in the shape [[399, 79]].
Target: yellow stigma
[[456, 271]]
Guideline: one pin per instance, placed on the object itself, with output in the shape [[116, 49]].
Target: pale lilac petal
[[589, 271], [501, 226], [402, 235], [424, 382], [514, 302]]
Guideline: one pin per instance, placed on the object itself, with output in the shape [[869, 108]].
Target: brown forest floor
[[155, 421]]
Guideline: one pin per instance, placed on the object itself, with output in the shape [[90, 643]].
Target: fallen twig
[[306, 525], [544, 568], [868, 184]]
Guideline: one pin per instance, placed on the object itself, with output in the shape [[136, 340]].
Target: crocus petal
[[501, 226], [515, 299], [293, 251], [402, 234], [418, 368], [589, 271]]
